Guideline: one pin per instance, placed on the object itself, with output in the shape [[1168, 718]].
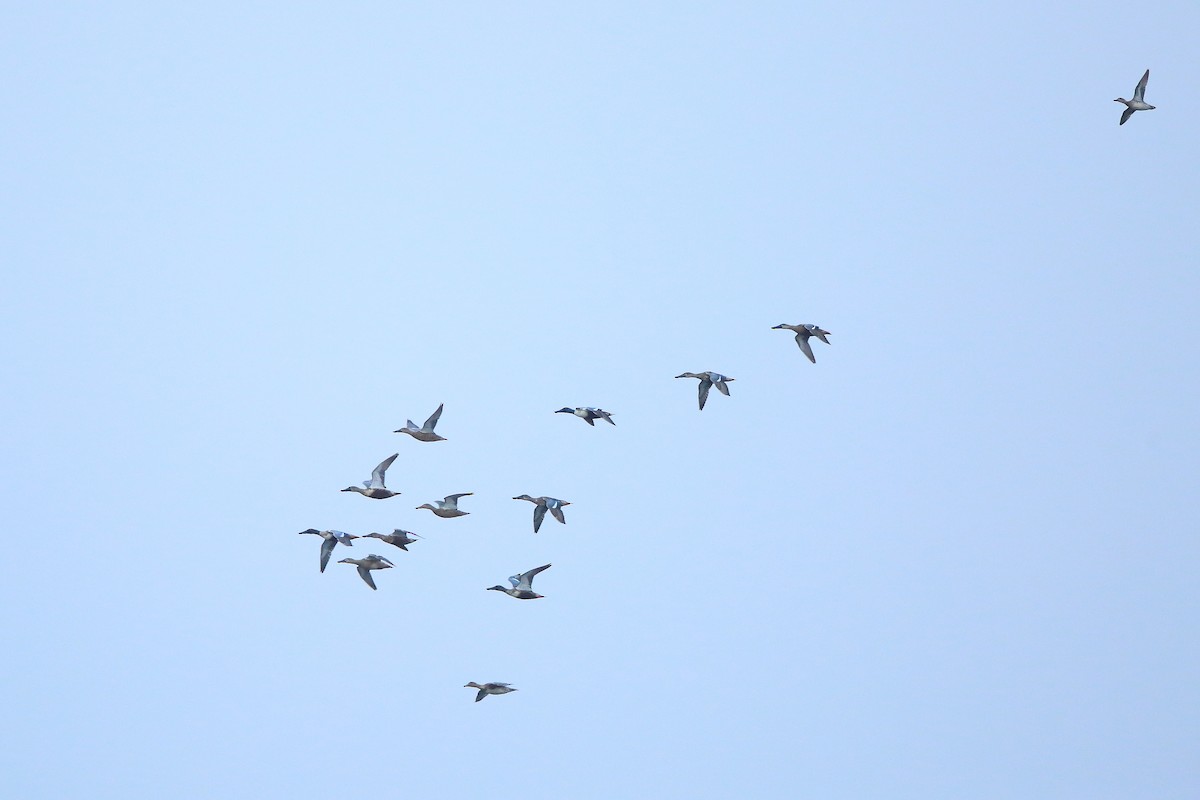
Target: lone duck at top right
[[804, 332], [1138, 103]]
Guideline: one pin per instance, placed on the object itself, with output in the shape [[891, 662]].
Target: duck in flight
[[374, 487], [522, 585], [397, 537], [588, 414], [425, 432], [707, 381], [804, 332], [447, 507], [489, 688], [1138, 103], [365, 565], [541, 506], [332, 540]]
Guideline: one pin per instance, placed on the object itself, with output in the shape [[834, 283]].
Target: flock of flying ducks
[[447, 507], [522, 584]]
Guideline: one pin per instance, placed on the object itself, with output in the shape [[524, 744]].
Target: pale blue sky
[[955, 558]]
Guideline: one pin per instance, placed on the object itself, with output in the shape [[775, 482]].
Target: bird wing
[[326, 551], [527, 577], [433, 419], [539, 514], [705, 385], [378, 472], [605, 416], [722, 387], [1140, 92], [481, 694], [366, 576], [453, 498], [558, 514], [802, 340], [1126, 114]]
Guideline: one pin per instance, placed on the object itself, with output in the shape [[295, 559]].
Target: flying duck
[[1138, 103], [803, 333], [588, 414], [397, 537], [522, 585], [425, 432], [707, 381], [365, 565], [374, 487], [543, 504], [332, 538], [448, 507], [489, 688]]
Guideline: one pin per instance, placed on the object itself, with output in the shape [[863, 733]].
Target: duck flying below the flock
[[588, 414], [447, 507], [488, 688], [541, 506], [332, 540], [804, 332], [365, 565], [374, 487], [522, 585], [707, 381], [425, 432], [1138, 103], [397, 537]]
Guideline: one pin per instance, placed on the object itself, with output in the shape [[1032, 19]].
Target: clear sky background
[[955, 558]]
